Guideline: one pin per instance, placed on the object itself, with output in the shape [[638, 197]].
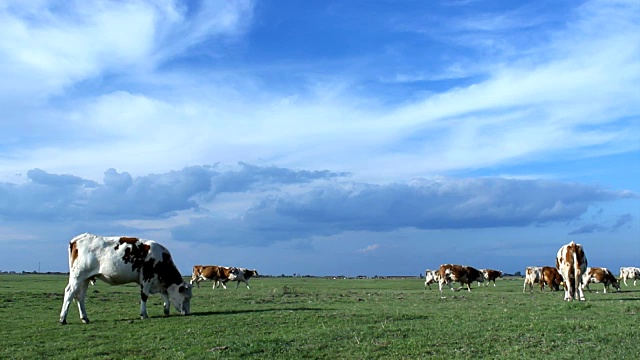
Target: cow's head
[[180, 297], [615, 283]]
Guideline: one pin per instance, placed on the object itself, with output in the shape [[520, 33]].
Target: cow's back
[[119, 260], [103, 257]]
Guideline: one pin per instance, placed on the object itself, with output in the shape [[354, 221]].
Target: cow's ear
[[181, 289]]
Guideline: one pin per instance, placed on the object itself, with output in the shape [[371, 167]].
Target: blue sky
[[322, 137]]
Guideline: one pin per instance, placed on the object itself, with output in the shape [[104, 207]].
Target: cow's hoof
[[85, 320], [63, 322]]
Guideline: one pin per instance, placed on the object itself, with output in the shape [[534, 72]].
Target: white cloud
[[47, 46], [369, 248]]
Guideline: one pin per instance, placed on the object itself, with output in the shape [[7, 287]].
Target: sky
[[352, 137]]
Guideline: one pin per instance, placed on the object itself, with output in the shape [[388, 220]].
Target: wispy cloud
[[369, 248]]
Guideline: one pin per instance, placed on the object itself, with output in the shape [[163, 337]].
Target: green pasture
[[315, 318]]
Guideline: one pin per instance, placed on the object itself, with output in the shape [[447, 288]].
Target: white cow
[[599, 276], [241, 274], [572, 263], [120, 260], [629, 273], [431, 277], [533, 275]]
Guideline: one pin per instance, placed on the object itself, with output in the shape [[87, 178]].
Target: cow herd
[[220, 275], [120, 260], [465, 275], [571, 272]]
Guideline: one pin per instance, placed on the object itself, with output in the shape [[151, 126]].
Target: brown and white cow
[[449, 273], [120, 260], [532, 275], [599, 276], [218, 274], [629, 273], [550, 276], [491, 275], [431, 277], [572, 262], [241, 274]]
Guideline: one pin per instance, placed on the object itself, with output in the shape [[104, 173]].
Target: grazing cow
[[491, 275], [218, 274], [449, 273], [599, 276], [629, 273], [431, 277], [241, 274], [119, 260], [572, 263], [550, 276], [532, 275]]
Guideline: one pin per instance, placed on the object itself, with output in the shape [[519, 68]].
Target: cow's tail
[[70, 248], [73, 251], [577, 273]]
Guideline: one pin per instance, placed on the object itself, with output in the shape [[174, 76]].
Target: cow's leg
[[441, 283], [580, 293], [568, 291], [69, 294], [606, 285], [143, 303], [80, 296], [247, 282], [167, 304]]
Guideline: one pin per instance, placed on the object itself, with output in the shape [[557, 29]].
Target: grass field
[[313, 318]]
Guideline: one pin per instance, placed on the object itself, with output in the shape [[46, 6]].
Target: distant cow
[[241, 274], [120, 260], [430, 277], [599, 276], [572, 262], [629, 273], [550, 276], [532, 275], [215, 273], [449, 273], [491, 275]]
